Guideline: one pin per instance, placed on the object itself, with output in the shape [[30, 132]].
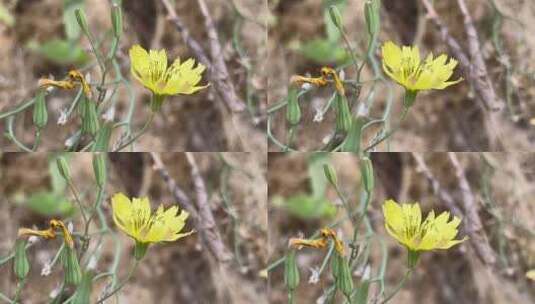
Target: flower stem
[[389, 133], [122, 284], [138, 135], [400, 285]]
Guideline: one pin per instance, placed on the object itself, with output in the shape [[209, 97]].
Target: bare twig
[[478, 237], [435, 184], [217, 68], [473, 64], [199, 209], [211, 232], [177, 192]]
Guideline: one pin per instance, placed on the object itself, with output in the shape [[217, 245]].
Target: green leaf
[[60, 51], [72, 30], [50, 204]]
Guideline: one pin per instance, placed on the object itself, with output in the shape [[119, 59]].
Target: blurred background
[[32, 192], [491, 192], [301, 41], [41, 39]]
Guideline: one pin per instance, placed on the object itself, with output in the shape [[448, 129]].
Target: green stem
[[389, 133], [139, 134], [122, 284], [400, 285]]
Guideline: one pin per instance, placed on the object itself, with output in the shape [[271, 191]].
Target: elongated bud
[[372, 10], [71, 266], [354, 136], [40, 112], [330, 174], [366, 169], [90, 122], [343, 114], [21, 265], [99, 168], [293, 111], [102, 140], [291, 271], [336, 17], [82, 21], [63, 168], [83, 291], [117, 20], [140, 249], [342, 275]]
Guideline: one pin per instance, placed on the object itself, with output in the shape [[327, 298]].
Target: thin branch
[[473, 64], [179, 195], [435, 184], [478, 237], [211, 232], [218, 72]]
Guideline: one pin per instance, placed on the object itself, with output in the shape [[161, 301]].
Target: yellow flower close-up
[[404, 223], [135, 218], [151, 69], [404, 66]]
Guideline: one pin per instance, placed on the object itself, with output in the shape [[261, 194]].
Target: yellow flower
[[404, 223], [405, 67], [135, 219], [151, 70]]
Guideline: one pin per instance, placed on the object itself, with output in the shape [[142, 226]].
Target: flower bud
[[330, 174], [102, 139], [90, 124], [71, 266], [291, 271], [366, 170], [342, 274], [372, 10], [343, 114], [63, 168], [40, 112], [293, 111], [83, 291], [82, 21], [336, 18], [354, 136], [117, 20], [21, 265], [99, 168]]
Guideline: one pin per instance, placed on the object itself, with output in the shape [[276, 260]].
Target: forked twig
[[199, 209], [218, 72]]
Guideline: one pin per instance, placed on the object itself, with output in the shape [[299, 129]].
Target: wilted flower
[[404, 223], [151, 70], [135, 219], [405, 67]]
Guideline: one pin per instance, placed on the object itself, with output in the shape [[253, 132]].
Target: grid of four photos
[[267, 151]]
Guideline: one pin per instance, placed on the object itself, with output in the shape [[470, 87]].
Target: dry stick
[[181, 197], [211, 232], [437, 188], [475, 230], [218, 70], [475, 65], [476, 71], [199, 209]]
